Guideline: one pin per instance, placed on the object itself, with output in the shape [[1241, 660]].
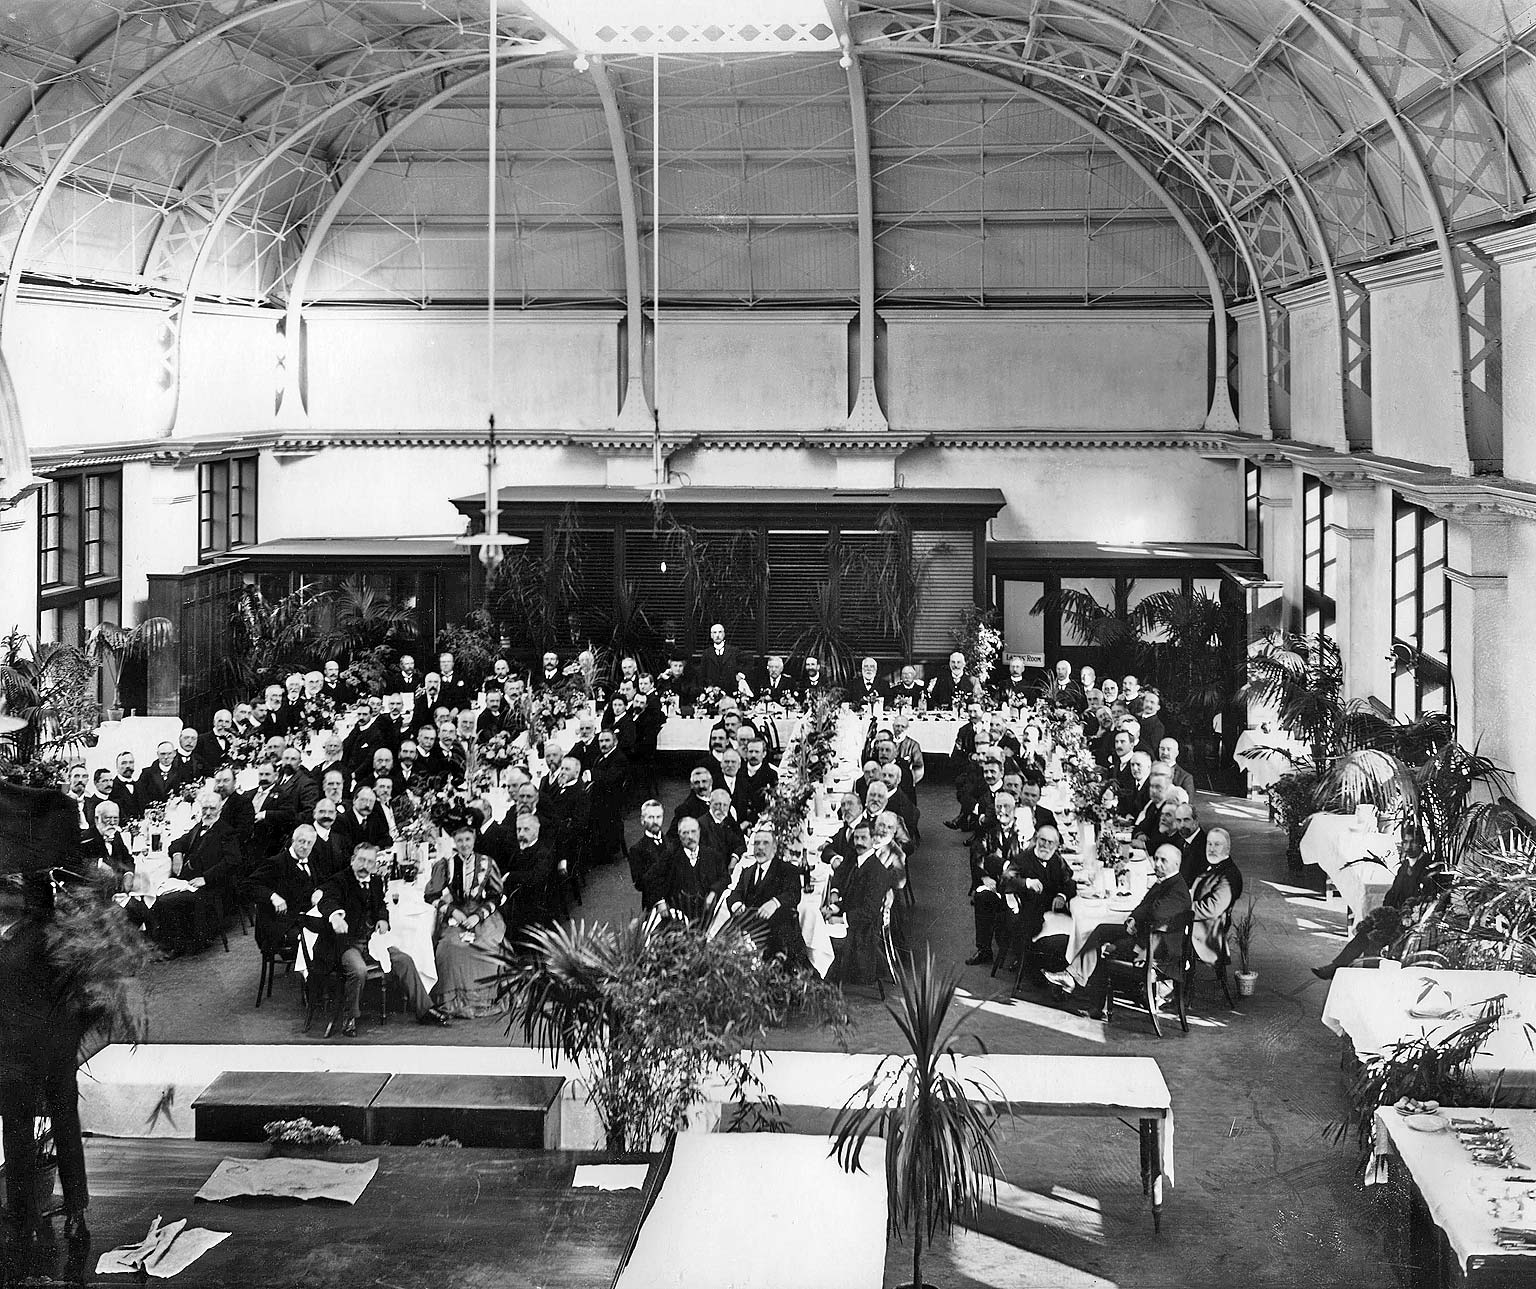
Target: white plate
[[1425, 1122], [1123, 903]]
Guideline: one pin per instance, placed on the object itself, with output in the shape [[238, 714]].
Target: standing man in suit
[[722, 665], [696, 804], [216, 746], [610, 781], [1152, 729], [455, 689], [649, 852], [125, 790]]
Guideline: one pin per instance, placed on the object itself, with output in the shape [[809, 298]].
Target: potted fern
[[938, 1124], [1244, 926]]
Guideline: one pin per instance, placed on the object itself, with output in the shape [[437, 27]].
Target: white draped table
[[1458, 1191], [412, 921], [1360, 863], [1375, 1008], [1266, 755]]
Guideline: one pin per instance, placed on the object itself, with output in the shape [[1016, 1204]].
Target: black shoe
[[978, 959], [433, 1016], [953, 824], [349, 1030], [1324, 973], [75, 1229]]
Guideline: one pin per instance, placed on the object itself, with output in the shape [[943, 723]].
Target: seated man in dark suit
[[158, 780], [535, 879], [207, 857], [237, 812], [284, 887], [1047, 887], [361, 822], [696, 804], [764, 890], [1213, 895], [273, 816], [720, 835], [686, 881], [865, 689], [995, 851], [1168, 754], [105, 848], [1164, 904], [353, 907]]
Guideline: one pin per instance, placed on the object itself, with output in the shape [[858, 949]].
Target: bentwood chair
[[1168, 953]]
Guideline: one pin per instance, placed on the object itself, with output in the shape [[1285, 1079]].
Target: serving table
[[1452, 1201]]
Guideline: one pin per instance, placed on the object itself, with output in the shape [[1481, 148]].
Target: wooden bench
[[515, 1112], [236, 1105]]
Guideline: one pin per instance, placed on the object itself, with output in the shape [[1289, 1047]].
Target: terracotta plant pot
[[1247, 982]]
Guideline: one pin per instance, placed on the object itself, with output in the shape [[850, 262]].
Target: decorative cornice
[[1477, 581], [755, 317], [1463, 499], [1513, 246], [1012, 317], [1353, 534], [465, 314], [1422, 266], [1312, 295]]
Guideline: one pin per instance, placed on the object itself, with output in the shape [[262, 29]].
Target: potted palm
[[938, 1123], [1244, 926], [110, 646]]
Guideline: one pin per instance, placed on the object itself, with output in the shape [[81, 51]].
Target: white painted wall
[[401, 492], [1057, 369], [1415, 393], [409, 370], [1516, 255], [230, 372], [1317, 381], [772, 371], [1104, 495], [85, 373], [1515, 672]]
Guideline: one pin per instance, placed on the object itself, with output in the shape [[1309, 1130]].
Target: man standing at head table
[[722, 665]]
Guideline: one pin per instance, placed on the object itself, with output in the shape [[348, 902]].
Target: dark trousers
[[354, 971], [52, 1091], [1113, 941], [989, 911]]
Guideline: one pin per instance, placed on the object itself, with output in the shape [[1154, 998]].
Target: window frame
[[1319, 558], [1253, 507], [227, 505], [1421, 611], [79, 511]]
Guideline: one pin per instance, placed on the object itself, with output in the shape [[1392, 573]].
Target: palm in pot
[[937, 1122]]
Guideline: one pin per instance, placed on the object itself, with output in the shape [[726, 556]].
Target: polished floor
[[1262, 1198]]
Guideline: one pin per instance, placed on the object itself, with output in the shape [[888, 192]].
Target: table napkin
[[162, 1253]]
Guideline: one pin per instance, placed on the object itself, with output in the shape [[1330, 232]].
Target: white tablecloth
[[140, 735], [1333, 844], [1457, 1190], [1372, 1009], [935, 734], [1265, 756]]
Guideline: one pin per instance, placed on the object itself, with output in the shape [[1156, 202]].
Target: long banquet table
[[1372, 1008]]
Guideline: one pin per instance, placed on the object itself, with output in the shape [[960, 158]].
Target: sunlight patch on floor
[[1237, 809], [1034, 1014], [1062, 1210], [1283, 889], [999, 1265]]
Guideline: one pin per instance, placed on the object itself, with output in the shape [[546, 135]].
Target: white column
[[1279, 506], [1362, 623], [1488, 663]]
